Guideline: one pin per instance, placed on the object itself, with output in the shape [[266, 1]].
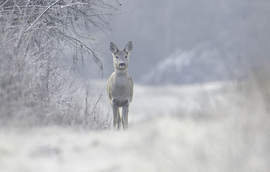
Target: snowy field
[[204, 127]]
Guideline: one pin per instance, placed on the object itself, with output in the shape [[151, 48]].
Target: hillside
[[204, 63]]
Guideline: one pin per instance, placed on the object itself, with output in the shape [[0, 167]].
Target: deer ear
[[129, 47], [113, 48]]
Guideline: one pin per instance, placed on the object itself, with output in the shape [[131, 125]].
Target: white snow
[[201, 127]]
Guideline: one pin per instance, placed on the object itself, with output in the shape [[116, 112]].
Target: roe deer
[[120, 85]]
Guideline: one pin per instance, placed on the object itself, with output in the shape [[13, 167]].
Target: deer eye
[[125, 56], [116, 57]]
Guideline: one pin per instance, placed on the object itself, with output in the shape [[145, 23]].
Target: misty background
[[214, 40], [201, 94]]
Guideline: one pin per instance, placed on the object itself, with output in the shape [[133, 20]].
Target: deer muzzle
[[122, 65]]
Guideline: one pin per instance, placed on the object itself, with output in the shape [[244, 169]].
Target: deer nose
[[122, 64]]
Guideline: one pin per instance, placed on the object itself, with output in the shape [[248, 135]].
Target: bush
[[38, 86]]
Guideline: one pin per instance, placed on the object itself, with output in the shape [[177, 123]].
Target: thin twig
[[32, 24], [98, 100], [94, 55], [69, 5], [118, 2], [4, 3]]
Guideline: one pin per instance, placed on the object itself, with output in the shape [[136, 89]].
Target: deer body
[[120, 85]]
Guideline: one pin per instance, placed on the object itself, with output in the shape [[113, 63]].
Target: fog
[[158, 29], [201, 85]]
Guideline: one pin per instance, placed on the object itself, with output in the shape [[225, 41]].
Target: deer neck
[[121, 72], [121, 77]]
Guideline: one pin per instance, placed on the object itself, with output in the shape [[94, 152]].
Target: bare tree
[[34, 35]]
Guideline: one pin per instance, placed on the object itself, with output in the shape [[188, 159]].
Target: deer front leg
[[116, 115], [118, 119], [125, 115]]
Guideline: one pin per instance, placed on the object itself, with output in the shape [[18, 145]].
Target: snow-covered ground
[[203, 127], [151, 101]]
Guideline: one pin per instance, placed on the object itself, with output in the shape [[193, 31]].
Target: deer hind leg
[[125, 115]]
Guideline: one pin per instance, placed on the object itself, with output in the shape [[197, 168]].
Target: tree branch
[[32, 24]]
